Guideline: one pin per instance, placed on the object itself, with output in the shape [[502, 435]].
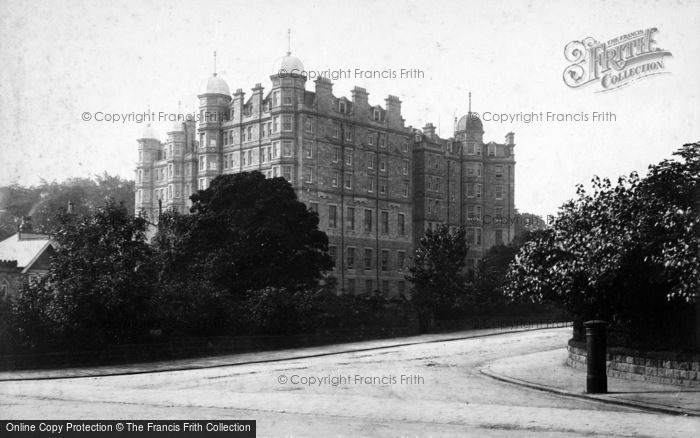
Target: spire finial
[[470, 102], [214, 62], [289, 41]]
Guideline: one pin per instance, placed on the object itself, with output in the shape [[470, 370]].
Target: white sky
[[58, 60]]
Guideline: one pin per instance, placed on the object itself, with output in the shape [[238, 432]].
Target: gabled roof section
[[25, 251]]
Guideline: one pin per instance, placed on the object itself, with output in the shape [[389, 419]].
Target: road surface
[[424, 390]]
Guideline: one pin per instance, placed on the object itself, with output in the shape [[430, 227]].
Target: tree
[[438, 277], [249, 233], [490, 277], [627, 253], [101, 278], [44, 201]]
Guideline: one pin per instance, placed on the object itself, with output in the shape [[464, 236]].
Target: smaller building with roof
[[24, 256]]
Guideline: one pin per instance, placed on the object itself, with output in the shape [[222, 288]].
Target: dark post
[[596, 348]]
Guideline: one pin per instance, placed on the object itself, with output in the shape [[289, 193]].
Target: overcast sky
[[61, 59]]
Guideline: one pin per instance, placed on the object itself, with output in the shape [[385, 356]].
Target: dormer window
[[342, 107], [376, 115], [417, 138]]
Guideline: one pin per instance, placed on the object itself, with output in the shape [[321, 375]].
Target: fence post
[[596, 349]]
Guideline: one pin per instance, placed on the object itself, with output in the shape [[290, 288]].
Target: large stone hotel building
[[375, 183]]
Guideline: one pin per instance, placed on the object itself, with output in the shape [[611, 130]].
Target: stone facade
[[366, 174]]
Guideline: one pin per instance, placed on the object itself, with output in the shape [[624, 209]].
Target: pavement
[[250, 358], [557, 377]]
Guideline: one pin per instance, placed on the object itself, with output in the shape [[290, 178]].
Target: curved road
[[442, 394]]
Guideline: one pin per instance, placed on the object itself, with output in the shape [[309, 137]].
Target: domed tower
[[214, 101], [148, 147], [288, 84], [470, 133]]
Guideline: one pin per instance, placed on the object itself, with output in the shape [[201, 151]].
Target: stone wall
[[661, 367]]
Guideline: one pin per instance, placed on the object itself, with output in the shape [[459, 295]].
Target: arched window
[[4, 288]]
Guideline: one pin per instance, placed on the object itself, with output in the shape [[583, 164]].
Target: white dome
[[216, 85], [289, 65], [149, 132]]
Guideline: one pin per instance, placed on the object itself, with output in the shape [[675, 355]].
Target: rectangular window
[[336, 131], [368, 221], [370, 138], [385, 260], [309, 126], [499, 191], [368, 259], [382, 187], [275, 149], [275, 123], [499, 171], [370, 160], [308, 175], [401, 224], [370, 185], [348, 180], [275, 98], [286, 97], [351, 258], [400, 260], [404, 190], [382, 165], [287, 172], [405, 167], [286, 148], [342, 107], [405, 146], [470, 169], [478, 237], [470, 235], [376, 115], [286, 123], [499, 237], [336, 154], [382, 142], [492, 150], [385, 222], [470, 148], [470, 190], [332, 216], [348, 135], [334, 178], [350, 218], [308, 151], [348, 157]]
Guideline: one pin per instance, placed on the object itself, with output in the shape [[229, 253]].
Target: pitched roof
[[25, 250]]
